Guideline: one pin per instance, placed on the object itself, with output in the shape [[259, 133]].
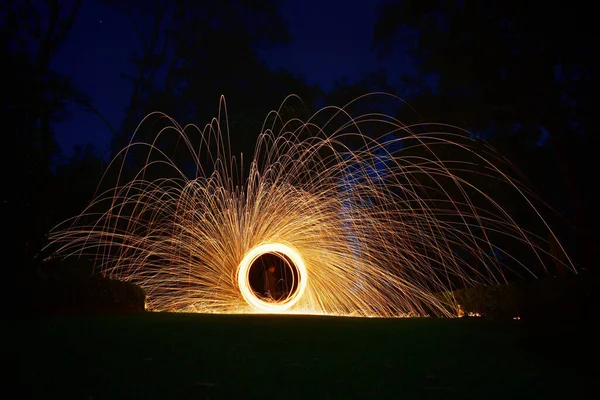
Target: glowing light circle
[[244, 273]]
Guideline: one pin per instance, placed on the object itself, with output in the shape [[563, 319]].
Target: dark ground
[[170, 356]]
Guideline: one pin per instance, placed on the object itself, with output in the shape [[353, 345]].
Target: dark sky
[[330, 39]]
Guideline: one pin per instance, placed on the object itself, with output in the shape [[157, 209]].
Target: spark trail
[[370, 216]]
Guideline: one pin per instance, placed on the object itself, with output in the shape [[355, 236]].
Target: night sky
[[330, 40]]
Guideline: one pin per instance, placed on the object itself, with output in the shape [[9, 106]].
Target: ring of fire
[[243, 274]]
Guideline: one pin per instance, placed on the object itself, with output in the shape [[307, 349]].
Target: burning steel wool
[[336, 214]]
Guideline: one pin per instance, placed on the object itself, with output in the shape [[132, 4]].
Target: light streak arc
[[376, 224]]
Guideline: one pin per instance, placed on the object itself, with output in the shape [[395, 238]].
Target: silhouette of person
[[271, 282]]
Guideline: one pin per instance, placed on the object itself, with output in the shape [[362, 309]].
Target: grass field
[[171, 356]]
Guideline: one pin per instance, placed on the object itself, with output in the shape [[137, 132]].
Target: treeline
[[502, 70]]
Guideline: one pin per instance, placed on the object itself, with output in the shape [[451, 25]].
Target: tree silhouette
[[189, 54], [34, 99], [517, 74]]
